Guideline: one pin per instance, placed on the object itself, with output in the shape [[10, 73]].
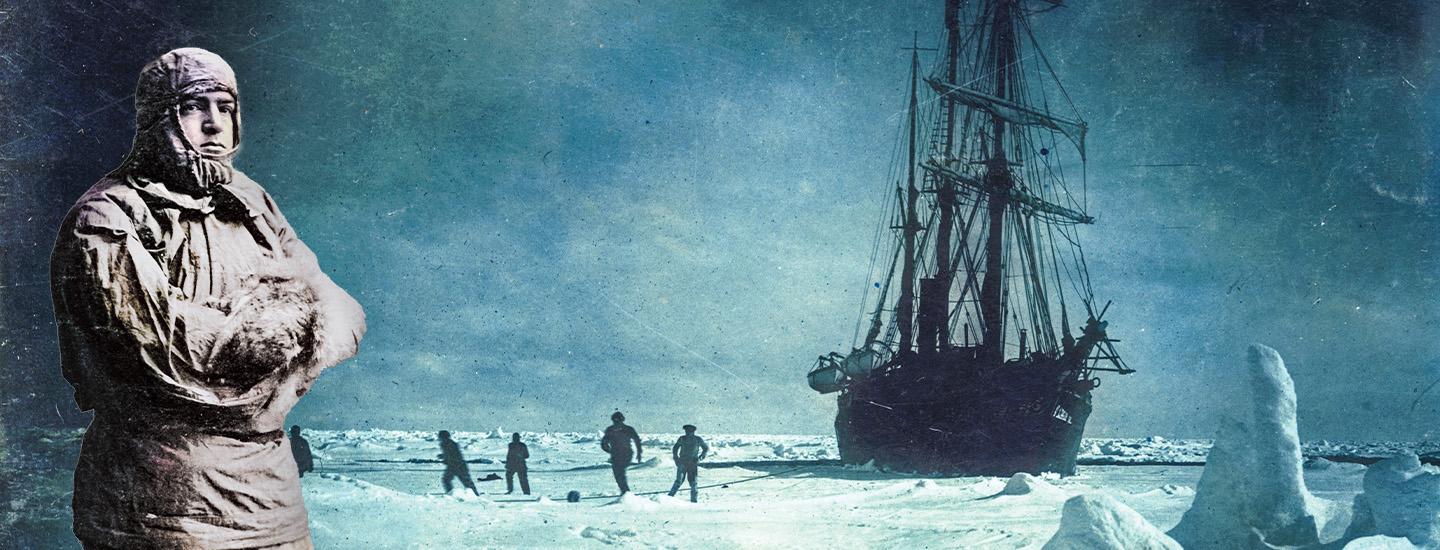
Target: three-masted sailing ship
[[968, 364]]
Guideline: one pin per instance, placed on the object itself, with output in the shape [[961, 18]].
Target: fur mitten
[[269, 328]]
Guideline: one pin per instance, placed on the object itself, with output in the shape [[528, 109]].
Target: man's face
[[208, 122]]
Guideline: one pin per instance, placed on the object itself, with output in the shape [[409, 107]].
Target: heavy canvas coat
[[190, 323]]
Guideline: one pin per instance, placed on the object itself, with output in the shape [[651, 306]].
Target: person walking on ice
[[688, 451], [617, 443], [454, 464], [515, 464]]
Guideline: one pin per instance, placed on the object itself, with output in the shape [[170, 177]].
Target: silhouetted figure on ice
[[617, 443], [515, 464], [304, 461], [454, 464], [688, 451]]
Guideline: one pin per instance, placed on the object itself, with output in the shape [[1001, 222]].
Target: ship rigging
[[968, 363]]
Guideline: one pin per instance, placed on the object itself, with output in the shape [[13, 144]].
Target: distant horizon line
[[500, 430]]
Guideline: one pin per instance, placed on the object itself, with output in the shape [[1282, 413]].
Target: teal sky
[[553, 210]]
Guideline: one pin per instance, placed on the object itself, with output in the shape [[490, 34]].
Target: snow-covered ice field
[[381, 489]]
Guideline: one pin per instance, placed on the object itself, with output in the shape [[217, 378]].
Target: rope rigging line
[[1041, 52], [878, 239], [713, 485]]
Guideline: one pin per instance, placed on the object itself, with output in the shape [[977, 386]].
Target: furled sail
[[1036, 205], [1010, 111]]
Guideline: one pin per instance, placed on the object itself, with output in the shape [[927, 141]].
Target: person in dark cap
[[191, 319], [304, 461], [515, 465], [454, 464], [688, 451], [617, 442]]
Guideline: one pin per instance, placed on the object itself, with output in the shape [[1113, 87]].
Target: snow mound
[[611, 536], [810, 451], [925, 486], [1322, 463], [1026, 484], [1169, 490], [1252, 493], [1099, 522], [1400, 499], [1118, 448], [984, 488], [1381, 542]]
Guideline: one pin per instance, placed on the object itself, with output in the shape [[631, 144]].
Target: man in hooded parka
[[191, 320]]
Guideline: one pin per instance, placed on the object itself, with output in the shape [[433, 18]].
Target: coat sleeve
[[112, 297], [340, 321], [636, 436]]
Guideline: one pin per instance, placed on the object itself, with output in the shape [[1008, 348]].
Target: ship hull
[[949, 413]]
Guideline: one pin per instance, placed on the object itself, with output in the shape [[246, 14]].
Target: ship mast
[[935, 293], [998, 181], [975, 164], [904, 310]]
